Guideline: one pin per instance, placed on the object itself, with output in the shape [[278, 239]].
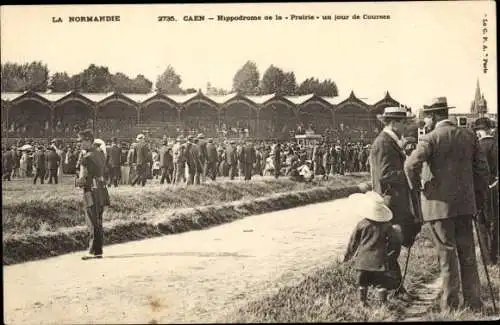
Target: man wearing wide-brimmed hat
[[387, 159], [453, 190], [489, 216]]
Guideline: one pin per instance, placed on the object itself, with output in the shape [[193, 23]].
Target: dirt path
[[197, 276]]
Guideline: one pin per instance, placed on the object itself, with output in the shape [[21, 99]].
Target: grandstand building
[[44, 115]]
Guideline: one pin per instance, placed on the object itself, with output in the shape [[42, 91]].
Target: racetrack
[[198, 276]]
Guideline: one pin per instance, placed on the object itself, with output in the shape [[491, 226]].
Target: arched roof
[[117, 97], [31, 95], [179, 101], [158, 98], [73, 96], [384, 102], [200, 98], [352, 100], [237, 98]]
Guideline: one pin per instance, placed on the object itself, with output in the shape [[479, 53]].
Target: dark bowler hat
[[86, 135], [438, 103], [482, 123], [394, 113]]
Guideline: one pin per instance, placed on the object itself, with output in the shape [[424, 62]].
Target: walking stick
[[415, 201], [481, 249], [399, 289]]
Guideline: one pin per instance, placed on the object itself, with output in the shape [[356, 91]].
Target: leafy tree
[[141, 85], [28, 76], [289, 84], [272, 80], [215, 91], [189, 91], [121, 83], [246, 79], [169, 82], [60, 82], [95, 79], [313, 85]]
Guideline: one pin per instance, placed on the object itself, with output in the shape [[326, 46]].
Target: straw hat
[[370, 205], [394, 112]]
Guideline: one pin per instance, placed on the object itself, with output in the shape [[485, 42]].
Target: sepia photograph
[[250, 162]]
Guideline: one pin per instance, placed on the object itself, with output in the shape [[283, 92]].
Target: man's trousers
[[94, 222], [454, 241]]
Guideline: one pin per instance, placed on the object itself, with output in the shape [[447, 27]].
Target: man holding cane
[[95, 193], [454, 184]]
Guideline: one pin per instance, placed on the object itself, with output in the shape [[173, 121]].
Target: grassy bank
[[330, 295], [159, 220], [28, 209]]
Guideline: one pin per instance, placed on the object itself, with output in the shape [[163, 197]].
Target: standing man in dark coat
[[489, 216], [95, 195], [7, 163], [454, 181], [141, 160], [249, 158], [202, 144], [232, 159], [39, 163], [211, 149], [389, 180], [277, 159], [114, 155], [166, 162], [191, 160], [53, 162]]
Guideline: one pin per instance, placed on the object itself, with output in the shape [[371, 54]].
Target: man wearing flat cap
[[489, 217], [387, 159], [95, 194], [453, 190], [141, 155]]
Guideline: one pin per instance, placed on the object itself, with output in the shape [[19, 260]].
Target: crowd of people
[[173, 160]]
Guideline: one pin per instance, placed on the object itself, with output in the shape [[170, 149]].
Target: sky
[[425, 49]]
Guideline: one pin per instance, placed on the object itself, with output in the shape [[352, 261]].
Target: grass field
[[330, 295], [27, 208]]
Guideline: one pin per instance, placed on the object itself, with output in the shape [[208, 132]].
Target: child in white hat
[[371, 243]]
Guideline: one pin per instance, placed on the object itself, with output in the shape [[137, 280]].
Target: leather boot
[[381, 295], [362, 295]]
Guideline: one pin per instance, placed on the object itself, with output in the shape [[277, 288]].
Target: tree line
[[98, 79]]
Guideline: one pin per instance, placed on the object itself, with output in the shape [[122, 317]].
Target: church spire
[[475, 107]]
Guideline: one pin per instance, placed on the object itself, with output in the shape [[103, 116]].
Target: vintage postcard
[[249, 162]]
